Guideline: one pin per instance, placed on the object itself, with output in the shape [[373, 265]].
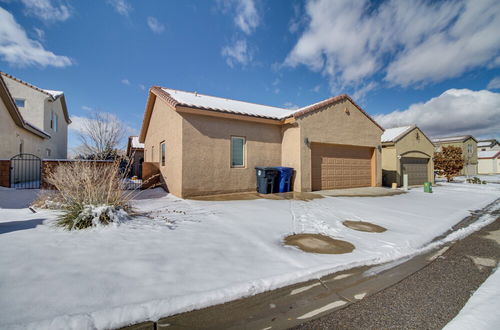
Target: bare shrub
[[91, 194]]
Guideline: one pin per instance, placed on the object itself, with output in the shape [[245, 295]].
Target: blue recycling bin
[[284, 178]]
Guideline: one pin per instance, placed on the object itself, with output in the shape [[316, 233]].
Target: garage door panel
[[336, 166], [416, 168]]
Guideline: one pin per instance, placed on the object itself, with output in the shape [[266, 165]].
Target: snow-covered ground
[[489, 178], [191, 254], [482, 310]]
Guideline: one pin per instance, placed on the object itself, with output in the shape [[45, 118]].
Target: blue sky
[[393, 55]]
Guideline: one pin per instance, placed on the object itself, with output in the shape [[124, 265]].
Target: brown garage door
[[338, 166], [416, 168]]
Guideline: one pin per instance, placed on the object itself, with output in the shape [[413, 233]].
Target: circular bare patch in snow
[[317, 243], [364, 226]]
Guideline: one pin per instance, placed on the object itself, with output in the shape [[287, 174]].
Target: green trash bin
[[428, 187]]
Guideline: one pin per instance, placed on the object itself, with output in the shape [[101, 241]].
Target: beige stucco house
[[209, 145], [43, 110], [407, 150], [488, 162], [468, 144]]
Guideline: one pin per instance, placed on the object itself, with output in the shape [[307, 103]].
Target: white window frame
[[20, 100], [233, 137]]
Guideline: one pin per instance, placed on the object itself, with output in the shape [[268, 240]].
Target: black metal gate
[[25, 171]]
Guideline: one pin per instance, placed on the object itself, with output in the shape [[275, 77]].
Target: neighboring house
[[407, 150], [135, 153], [486, 145], [489, 162], [207, 145], [44, 110], [16, 136], [468, 144]]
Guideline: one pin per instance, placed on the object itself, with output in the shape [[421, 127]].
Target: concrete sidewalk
[[293, 305]]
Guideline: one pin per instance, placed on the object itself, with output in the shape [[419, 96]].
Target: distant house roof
[[134, 144], [450, 139], [487, 143], [15, 114], [195, 100], [488, 154], [54, 95], [393, 134]]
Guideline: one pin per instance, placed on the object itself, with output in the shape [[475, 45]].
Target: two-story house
[[468, 144], [488, 145], [42, 110]]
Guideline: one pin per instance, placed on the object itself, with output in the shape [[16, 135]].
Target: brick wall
[[5, 173], [49, 166]]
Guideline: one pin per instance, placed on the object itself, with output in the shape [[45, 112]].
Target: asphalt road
[[429, 298]]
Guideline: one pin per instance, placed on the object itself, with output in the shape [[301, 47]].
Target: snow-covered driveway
[[192, 254]]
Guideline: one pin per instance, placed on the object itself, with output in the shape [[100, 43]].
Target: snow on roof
[[390, 134], [488, 154], [451, 138], [221, 104], [54, 94], [135, 143], [484, 144]]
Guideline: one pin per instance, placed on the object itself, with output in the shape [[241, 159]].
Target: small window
[[162, 153], [47, 152], [469, 148], [237, 151], [53, 121], [20, 102]]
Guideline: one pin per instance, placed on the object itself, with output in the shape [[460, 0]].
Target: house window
[[47, 152], [162, 153], [53, 121], [469, 148], [20, 102], [237, 151]]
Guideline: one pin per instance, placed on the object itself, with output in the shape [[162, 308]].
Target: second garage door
[[416, 168], [338, 166]]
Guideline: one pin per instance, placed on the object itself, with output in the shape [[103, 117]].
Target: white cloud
[[247, 18], [142, 87], [494, 83], [78, 123], [291, 106], [17, 49], [455, 112], [46, 10], [410, 42], [125, 82], [87, 108], [122, 7], [360, 93], [238, 53], [155, 25], [316, 88], [40, 34]]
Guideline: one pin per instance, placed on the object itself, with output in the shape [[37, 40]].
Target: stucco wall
[[12, 135], [206, 155], [58, 142], [334, 125], [488, 166], [166, 125], [33, 111], [290, 155]]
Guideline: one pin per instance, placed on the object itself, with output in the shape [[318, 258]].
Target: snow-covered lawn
[[490, 178], [482, 309], [191, 254]]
